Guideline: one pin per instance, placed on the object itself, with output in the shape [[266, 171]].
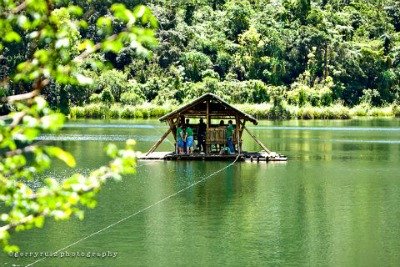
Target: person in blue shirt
[[189, 137]]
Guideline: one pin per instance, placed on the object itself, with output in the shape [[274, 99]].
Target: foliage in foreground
[[23, 159], [56, 57]]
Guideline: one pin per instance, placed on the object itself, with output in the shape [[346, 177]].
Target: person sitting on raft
[[180, 137], [189, 137]]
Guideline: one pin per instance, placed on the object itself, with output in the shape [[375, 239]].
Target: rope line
[[141, 210]]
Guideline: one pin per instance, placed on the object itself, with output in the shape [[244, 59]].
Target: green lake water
[[336, 202]]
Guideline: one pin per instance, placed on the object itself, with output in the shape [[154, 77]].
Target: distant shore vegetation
[[259, 111]]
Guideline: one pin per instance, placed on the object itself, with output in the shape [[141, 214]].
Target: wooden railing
[[218, 136]]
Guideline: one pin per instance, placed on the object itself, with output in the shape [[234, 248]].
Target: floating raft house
[[212, 109]]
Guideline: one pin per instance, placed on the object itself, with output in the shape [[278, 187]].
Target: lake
[[336, 202]]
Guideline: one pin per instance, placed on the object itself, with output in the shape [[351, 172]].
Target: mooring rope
[[141, 210]]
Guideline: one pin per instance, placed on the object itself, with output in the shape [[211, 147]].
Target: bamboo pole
[[257, 141], [241, 133], [154, 147], [208, 114], [208, 126], [242, 124], [238, 141], [172, 125]]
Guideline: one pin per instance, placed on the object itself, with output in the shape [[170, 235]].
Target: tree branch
[[20, 151], [17, 119], [31, 217], [19, 8], [25, 96], [20, 222], [37, 88]]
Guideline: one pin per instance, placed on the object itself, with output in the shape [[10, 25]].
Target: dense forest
[[313, 53]]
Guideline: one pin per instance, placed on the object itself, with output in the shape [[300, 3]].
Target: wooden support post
[[238, 142], [208, 126], [172, 125], [257, 141], [158, 142], [241, 133]]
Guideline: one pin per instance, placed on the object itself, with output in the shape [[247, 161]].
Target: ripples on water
[[304, 128], [153, 138], [261, 127], [122, 138], [120, 126], [95, 137]]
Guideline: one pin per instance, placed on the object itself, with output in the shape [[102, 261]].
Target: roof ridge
[[200, 99]]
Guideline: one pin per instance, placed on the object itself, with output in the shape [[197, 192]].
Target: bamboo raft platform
[[212, 108], [244, 156]]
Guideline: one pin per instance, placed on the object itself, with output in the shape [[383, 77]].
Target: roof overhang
[[218, 108]]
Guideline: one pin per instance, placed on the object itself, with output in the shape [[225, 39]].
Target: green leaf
[[4, 217], [86, 45], [79, 214], [75, 10], [42, 55], [31, 133], [52, 122], [12, 37], [118, 7], [40, 102], [120, 11], [130, 143], [112, 150], [11, 248], [83, 24], [139, 11], [39, 221], [114, 46], [37, 5], [4, 235], [61, 155], [123, 14], [83, 80], [62, 43], [23, 22], [104, 23]]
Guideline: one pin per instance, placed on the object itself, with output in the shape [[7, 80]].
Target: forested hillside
[[287, 52]]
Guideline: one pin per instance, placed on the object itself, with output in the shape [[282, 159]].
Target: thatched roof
[[218, 108]]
